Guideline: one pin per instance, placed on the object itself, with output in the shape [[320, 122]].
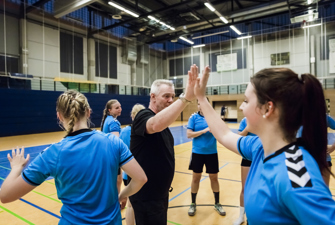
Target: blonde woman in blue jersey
[[204, 153], [84, 165], [110, 124], [125, 137], [284, 185]]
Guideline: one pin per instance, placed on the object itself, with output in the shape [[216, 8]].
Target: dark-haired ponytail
[[314, 121]]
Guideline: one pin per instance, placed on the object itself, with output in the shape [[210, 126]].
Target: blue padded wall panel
[[30, 111]]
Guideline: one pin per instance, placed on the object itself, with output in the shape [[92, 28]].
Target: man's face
[[164, 97]]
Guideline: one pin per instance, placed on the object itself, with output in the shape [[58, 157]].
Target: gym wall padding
[[30, 111]]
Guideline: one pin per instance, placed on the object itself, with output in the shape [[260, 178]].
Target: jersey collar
[[278, 152], [78, 132]]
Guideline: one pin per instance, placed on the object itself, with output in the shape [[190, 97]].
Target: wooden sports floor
[[42, 206]]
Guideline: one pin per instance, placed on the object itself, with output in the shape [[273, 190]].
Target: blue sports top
[[243, 125], [285, 188], [111, 125], [85, 166], [330, 124], [125, 137], [205, 143]]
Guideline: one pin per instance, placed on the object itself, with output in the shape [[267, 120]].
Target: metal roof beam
[[144, 15]]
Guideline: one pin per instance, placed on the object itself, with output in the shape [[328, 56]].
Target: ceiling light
[[244, 37], [224, 19], [313, 25], [210, 6], [198, 46], [123, 9], [161, 22], [188, 41], [235, 29], [153, 18]]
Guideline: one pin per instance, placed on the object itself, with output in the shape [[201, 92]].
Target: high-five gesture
[[192, 78], [200, 87], [17, 159]]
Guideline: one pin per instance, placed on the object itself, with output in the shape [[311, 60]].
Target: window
[[180, 66], [11, 62], [71, 54], [105, 61]]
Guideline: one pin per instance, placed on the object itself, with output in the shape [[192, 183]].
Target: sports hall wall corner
[[117, 50]]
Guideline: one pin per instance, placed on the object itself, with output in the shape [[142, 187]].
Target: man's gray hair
[[155, 85]]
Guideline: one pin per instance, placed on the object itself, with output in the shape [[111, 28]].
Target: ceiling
[[189, 18]]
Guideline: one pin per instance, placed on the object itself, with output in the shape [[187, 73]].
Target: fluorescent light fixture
[[224, 19], [162, 23], [244, 37], [123, 9], [313, 25], [198, 46], [210, 6], [188, 41], [236, 30], [309, 2], [153, 18]]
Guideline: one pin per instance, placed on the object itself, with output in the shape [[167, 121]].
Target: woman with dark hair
[[284, 185]]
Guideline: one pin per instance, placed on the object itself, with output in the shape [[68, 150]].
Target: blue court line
[[44, 210], [207, 176], [190, 187]]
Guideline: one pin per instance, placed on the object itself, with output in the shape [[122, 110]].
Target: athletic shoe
[[218, 207], [192, 209], [239, 221]]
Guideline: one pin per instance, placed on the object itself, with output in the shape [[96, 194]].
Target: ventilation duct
[[129, 50], [143, 54], [63, 7]]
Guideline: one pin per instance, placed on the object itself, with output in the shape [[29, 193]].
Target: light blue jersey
[[205, 143], [330, 124], [285, 188], [85, 168], [111, 125], [125, 137], [243, 125]]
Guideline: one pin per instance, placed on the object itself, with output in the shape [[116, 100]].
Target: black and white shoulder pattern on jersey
[[296, 169]]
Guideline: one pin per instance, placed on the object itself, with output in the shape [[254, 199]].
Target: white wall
[[298, 47]]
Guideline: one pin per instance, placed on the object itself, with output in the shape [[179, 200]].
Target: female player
[[110, 124], [204, 152], [125, 137], [245, 166], [284, 185], [84, 165]]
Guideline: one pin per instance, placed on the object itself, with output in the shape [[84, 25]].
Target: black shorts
[[198, 161], [152, 212], [125, 182], [329, 163], [245, 163]]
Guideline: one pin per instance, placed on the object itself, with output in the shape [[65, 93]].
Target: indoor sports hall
[[116, 49]]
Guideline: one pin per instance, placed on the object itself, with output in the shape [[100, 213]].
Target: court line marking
[[190, 187], [6, 168], [40, 208], [17, 216], [47, 196], [208, 176]]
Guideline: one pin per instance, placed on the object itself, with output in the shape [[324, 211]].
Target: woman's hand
[[192, 79], [17, 160], [200, 86]]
